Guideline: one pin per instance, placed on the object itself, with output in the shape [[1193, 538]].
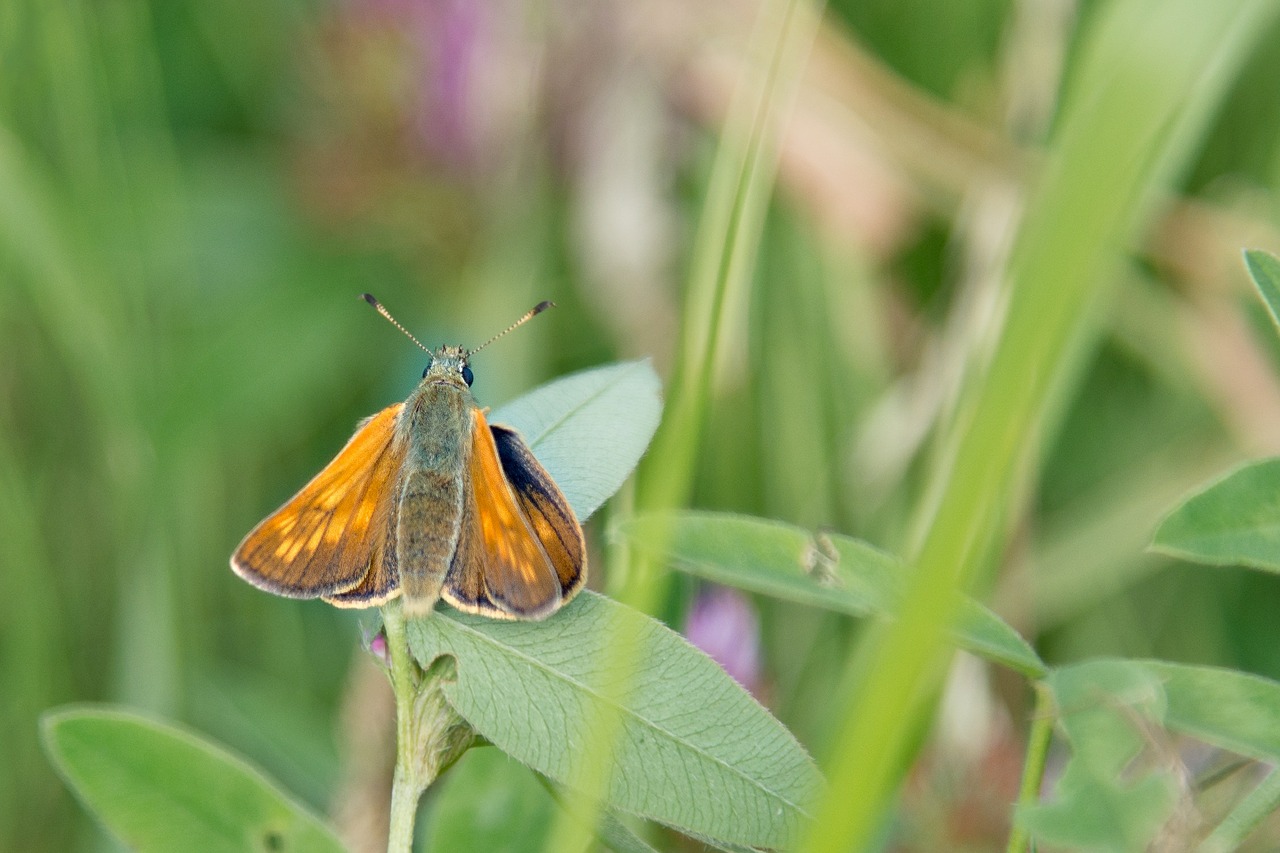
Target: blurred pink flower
[[460, 74], [723, 623], [377, 646], [453, 36]]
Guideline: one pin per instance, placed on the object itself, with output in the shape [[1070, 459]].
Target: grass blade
[[1148, 78]]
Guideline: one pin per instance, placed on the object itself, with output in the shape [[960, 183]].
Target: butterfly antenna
[[529, 315], [368, 297]]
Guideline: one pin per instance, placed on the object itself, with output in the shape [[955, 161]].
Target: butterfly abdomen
[[426, 535], [431, 491]]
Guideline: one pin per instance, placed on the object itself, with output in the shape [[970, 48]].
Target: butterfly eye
[[427, 369], [467, 376]]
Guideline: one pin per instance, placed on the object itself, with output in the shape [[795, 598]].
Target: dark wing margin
[[328, 537], [499, 567], [546, 508]]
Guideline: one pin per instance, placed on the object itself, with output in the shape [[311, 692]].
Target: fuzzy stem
[[1038, 739], [404, 811], [406, 788], [430, 735]]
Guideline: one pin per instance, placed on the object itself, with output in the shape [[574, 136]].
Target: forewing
[[323, 541], [500, 567], [382, 582], [464, 584], [546, 509]]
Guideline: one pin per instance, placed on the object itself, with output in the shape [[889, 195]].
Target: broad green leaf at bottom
[[694, 750], [160, 788]]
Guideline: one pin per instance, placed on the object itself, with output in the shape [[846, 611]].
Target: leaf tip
[[54, 719]]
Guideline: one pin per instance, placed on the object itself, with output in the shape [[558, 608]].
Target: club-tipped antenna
[[368, 297], [529, 315]]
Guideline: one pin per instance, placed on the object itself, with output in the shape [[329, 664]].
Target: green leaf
[[1264, 268], [1233, 710], [618, 837], [1144, 81], [161, 788], [1101, 705], [1095, 805], [694, 751], [609, 829], [1237, 519], [489, 802], [825, 570], [589, 429], [1089, 694], [1233, 521]]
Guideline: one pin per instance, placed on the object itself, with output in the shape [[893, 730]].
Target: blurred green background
[[193, 196]]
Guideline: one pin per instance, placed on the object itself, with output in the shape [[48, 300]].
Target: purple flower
[[723, 623], [377, 646], [452, 71], [454, 38]]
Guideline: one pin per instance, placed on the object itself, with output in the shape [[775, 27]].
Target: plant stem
[[404, 810], [1245, 817], [430, 735], [405, 677], [1038, 739]]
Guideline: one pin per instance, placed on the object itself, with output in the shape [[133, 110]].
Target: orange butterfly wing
[[546, 509], [514, 552], [331, 539]]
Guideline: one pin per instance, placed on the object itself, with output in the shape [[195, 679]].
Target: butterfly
[[427, 500]]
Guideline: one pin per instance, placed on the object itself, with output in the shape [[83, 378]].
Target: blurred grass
[[722, 265], [1125, 131], [193, 196]]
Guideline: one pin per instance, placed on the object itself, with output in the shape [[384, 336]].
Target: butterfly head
[[448, 366]]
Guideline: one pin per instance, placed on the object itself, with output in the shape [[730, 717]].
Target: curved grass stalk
[[722, 266], [1145, 86]]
